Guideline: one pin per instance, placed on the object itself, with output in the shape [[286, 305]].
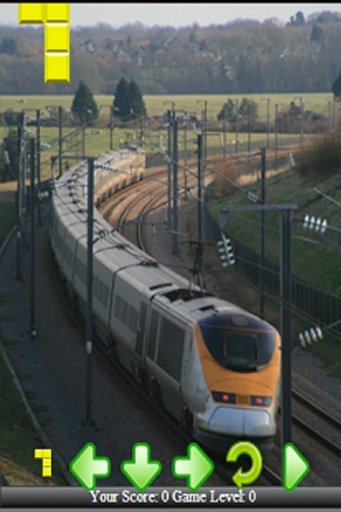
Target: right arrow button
[[197, 467], [295, 467]]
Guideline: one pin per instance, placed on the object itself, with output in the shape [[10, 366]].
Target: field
[[96, 139], [157, 104]]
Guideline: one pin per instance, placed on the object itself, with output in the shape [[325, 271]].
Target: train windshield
[[240, 348]]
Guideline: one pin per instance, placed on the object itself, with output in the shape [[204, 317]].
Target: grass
[[193, 103], [97, 139], [18, 438], [315, 262]]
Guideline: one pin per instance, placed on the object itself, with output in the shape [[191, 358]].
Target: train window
[[126, 313], [153, 334], [133, 321], [239, 350], [105, 295], [141, 329], [171, 348], [244, 349], [123, 311], [117, 306]]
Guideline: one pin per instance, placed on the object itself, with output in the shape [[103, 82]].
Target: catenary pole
[[39, 219], [175, 249], [60, 139], [89, 324], [19, 275], [285, 286], [262, 234], [33, 330], [169, 175]]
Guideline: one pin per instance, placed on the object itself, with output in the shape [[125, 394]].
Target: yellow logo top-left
[[56, 19]]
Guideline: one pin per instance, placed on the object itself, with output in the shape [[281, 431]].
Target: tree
[[84, 107], [336, 87], [298, 20], [128, 102], [228, 111], [137, 105], [317, 34], [9, 46], [247, 113], [122, 100]]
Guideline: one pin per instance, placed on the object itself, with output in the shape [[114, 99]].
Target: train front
[[240, 361]]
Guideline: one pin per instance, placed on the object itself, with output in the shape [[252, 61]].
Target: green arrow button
[[241, 478], [197, 467], [86, 467], [141, 471], [295, 467]]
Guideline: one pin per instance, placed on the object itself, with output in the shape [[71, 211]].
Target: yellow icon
[[56, 19], [46, 456]]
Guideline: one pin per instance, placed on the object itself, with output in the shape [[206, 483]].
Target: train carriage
[[213, 366]]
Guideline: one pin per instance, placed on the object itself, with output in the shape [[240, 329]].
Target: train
[[214, 367]]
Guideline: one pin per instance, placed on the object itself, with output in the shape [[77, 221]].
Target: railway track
[[328, 424]]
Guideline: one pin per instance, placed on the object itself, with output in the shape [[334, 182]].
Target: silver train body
[[213, 366]]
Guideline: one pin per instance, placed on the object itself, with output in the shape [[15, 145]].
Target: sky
[[176, 14]]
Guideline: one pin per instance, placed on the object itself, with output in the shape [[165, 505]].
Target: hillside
[[238, 57]]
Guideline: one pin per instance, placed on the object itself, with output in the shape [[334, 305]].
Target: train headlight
[[261, 401], [226, 398]]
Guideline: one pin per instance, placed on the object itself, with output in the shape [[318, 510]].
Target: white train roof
[[171, 291]]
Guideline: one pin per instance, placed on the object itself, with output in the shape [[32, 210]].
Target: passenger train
[[212, 365]]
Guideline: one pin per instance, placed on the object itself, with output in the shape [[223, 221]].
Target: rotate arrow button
[[241, 478], [197, 467], [86, 467], [141, 471]]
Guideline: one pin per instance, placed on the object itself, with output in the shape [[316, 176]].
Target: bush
[[321, 159]]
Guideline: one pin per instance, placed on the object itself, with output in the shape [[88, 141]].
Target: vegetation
[[84, 107], [138, 107], [321, 159], [336, 87], [241, 56], [97, 137], [158, 103], [315, 263], [128, 103], [244, 112]]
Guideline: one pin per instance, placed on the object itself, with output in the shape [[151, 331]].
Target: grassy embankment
[[17, 436]]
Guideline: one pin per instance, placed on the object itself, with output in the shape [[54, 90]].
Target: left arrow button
[[86, 467]]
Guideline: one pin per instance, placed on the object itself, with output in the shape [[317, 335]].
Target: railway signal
[[309, 335], [225, 251], [317, 224]]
